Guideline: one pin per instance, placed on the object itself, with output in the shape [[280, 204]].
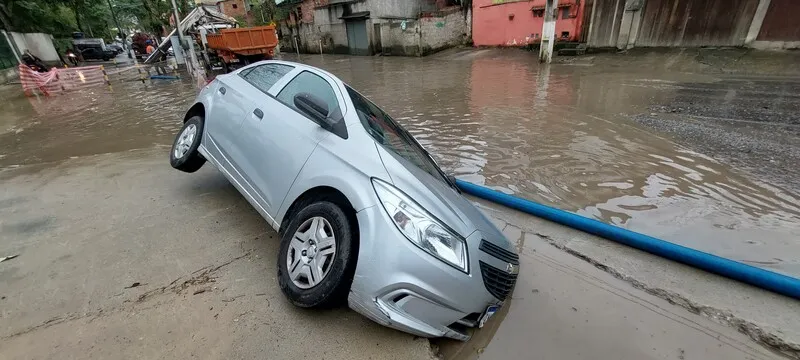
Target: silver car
[[364, 212]]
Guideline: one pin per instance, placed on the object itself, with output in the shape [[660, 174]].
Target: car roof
[[299, 66]]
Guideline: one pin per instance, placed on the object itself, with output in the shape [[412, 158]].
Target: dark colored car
[[116, 48], [96, 53]]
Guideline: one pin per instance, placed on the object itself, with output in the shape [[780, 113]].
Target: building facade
[[624, 24], [367, 27], [519, 23], [234, 8]]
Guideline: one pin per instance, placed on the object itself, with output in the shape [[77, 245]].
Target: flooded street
[[706, 161]]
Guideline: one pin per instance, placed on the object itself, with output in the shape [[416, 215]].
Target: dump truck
[[236, 47]]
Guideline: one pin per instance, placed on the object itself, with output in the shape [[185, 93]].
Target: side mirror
[[316, 109]]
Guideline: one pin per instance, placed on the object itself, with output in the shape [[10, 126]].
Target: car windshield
[[392, 136]]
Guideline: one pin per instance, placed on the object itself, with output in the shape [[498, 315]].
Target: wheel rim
[[185, 141], [311, 253]]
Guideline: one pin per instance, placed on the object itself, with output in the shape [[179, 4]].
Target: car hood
[[441, 200]]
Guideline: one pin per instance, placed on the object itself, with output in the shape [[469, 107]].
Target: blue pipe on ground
[[752, 275], [164, 77]]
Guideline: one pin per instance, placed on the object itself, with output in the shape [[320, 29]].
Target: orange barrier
[[59, 80]]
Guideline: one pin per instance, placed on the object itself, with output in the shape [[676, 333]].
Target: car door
[[223, 123], [89, 54], [277, 136]]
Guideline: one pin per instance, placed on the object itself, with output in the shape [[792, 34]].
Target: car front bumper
[[399, 285]]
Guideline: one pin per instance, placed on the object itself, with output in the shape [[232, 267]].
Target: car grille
[[498, 252], [498, 282]]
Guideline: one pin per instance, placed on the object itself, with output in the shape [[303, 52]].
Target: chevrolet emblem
[[512, 269]]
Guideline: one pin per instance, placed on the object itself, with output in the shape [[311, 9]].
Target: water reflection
[[559, 135], [90, 122]]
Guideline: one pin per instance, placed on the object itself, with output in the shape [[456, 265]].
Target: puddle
[[565, 136]]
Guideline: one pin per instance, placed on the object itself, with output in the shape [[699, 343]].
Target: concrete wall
[[39, 44], [775, 25], [513, 23], [444, 32], [399, 39], [605, 23], [442, 29], [695, 22], [425, 35], [762, 24], [395, 8]]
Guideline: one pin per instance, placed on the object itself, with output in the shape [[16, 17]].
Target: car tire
[[335, 283], [184, 155]]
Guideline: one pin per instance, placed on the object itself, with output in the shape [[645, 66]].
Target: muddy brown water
[[561, 135]]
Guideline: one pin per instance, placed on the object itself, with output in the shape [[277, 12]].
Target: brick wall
[[235, 8]]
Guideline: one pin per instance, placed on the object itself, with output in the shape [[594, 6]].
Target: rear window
[[264, 76]]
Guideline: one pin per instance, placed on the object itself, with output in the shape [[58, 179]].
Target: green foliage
[[150, 15], [51, 17], [241, 20], [264, 12], [62, 17], [62, 44]]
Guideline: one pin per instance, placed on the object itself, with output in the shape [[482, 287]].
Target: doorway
[[357, 40]]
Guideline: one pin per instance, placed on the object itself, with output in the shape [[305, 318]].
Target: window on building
[[264, 76], [565, 13], [309, 83], [234, 6], [538, 13]]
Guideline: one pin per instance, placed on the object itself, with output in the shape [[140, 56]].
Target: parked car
[[96, 53], [117, 48], [363, 211]]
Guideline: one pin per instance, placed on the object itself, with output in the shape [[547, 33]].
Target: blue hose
[[752, 275], [164, 77]]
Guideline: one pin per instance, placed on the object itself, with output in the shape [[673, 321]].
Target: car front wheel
[[317, 256], [184, 155]]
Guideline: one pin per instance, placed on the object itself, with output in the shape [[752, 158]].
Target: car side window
[[307, 82], [264, 76]]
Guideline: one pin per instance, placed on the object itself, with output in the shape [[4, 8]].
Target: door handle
[[222, 90], [258, 113]]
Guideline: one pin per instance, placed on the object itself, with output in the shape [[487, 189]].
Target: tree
[[265, 12], [51, 17], [151, 15], [57, 17]]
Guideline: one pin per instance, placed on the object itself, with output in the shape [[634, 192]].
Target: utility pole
[[177, 21], [548, 31], [193, 66], [119, 30]]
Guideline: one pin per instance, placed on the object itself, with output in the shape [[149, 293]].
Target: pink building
[[519, 23]]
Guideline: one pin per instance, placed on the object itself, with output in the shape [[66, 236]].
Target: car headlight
[[422, 228]]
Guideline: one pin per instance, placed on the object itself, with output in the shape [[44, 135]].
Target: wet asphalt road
[[704, 160]]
